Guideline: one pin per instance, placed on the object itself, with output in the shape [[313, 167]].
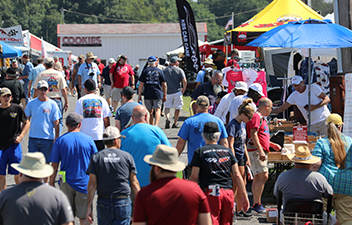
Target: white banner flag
[[347, 129], [44, 54], [12, 35]]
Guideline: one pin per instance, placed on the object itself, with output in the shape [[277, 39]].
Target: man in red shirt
[[258, 146], [169, 200], [100, 65], [120, 75]]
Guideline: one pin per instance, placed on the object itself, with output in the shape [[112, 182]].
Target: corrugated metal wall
[[136, 48]]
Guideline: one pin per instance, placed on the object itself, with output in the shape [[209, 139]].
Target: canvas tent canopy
[[277, 13]]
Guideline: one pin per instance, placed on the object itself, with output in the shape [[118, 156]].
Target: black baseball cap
[[127, 91], [211, 127], [90, 84]]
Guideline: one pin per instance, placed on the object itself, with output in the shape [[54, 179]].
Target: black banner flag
[[189, 35]]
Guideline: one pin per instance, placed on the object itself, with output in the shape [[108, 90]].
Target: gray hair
[[151, 63], [217, 72], [211, 136]]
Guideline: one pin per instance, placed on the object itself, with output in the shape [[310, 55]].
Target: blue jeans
[[114, 211], [61, 108], [25, 90], [41, 145]]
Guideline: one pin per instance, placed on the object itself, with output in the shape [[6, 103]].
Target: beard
[[217, 88], [152, 176]]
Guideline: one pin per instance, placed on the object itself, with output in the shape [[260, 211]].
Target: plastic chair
[[298, 210]]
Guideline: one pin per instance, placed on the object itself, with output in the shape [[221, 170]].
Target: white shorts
[[107, 91], [257, 166], [116, 94], [174, 101]]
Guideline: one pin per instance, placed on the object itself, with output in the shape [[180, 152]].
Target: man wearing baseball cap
[[31, 201], [224, 105], [107, 82], [173, 201], [155, 90], [14, 125], [116, 168], [28, 67], [319, 111], [15, 86]]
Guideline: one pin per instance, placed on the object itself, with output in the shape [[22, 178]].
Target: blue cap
[[152, 59]]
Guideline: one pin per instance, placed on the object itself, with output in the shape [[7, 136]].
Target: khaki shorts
[[343, 206], [116, 94], [78, 200], [257, 166], [174, 100], [107, 91], [153, 103], [321, 129]]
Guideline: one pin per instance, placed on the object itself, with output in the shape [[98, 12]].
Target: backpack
[[207, 75]]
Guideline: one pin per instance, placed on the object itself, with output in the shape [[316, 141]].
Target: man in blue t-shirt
[[28, 67], [44, 115], [74, 150], [154, 83], [141, 140], [124, 113], [192, 129]]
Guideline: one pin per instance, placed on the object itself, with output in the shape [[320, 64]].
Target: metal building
[[136, 41]]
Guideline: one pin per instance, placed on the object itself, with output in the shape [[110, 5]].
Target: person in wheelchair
[[301, 182]]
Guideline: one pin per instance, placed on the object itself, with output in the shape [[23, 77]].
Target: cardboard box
[[284, 157], [271, 213], [274, 156]]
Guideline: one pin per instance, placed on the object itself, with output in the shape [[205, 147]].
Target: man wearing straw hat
[[88, 70], [169, 200], [301, 182], [208, 64], [32, 202]]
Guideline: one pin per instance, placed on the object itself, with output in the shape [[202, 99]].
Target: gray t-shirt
[[112, 168], [34, 203], [124, 113], [302, 183], [174, 76]]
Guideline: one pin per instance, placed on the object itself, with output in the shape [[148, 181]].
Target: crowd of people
[[131, 166]]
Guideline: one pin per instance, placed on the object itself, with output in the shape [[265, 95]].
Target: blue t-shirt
[[192, 130], [124, 113], [205, 89], [27, 70], [200, 76], [85, 69], [141, 140], [152, 77], [238, 132], [74, 150], [43, 115], [33, 74]]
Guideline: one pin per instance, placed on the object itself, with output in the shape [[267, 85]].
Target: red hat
[[25, 56], [99, 60]]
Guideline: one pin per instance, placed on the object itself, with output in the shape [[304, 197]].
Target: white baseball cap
[[296, 80], [112, 60], [240, 85], [257, 87]]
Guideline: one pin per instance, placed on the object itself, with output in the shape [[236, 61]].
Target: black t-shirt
[[215, 162], [18, 71], [152, 77], [16, 89], [112, 168], [10, 120]]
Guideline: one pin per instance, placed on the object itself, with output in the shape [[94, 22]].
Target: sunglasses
[[247, 116], [42, 89]]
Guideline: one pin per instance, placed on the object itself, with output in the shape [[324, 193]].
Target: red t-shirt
[[101, 67], [170, 201], [121, 75], [263, 133], [232, 77], [232, 61]]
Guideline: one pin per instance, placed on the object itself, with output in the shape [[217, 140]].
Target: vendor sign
[[300, 133], [12, 35]]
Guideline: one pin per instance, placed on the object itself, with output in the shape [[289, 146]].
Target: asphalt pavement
[[172, 136]]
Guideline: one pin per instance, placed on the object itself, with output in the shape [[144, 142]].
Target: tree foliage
[[42, 16]]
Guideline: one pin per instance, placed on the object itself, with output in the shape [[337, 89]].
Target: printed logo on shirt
[[53, 83], [199, 128], [30, 191], [92, 108], [13, 114], [46, 110], [225, 159], [211, 160], [111, 158], [122, 69], [152, 77]]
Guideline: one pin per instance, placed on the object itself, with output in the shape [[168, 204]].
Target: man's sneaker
[[167, 124], [243, 214], [259, 209], [174, 126]]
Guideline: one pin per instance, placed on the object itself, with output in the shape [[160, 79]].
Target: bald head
[[139, 114], [265, 106]]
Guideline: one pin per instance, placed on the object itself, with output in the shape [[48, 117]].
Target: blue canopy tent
[[8, 51], [306, 34]]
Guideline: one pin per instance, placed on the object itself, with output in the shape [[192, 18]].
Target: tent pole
[[309, 83], [233, 26]]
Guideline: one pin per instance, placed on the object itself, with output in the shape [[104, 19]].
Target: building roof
[[116, 29]]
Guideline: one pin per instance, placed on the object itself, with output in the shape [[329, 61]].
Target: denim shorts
[[41, 145], [11, 155], [114, 211]]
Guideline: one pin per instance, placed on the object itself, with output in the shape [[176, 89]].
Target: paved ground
[[172, 136]]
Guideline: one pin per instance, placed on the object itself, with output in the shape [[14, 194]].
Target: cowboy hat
[[165, 157]]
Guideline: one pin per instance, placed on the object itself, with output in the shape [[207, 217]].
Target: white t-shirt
[[223, 107], [235, 104], [94, 109], [301, 99]]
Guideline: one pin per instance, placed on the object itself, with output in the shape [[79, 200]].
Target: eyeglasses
[[42, 89]]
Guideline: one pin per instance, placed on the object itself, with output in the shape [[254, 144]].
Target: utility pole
[[345, 19], [63, 15]]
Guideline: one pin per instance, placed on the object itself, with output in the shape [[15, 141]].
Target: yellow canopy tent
[[278, 12]]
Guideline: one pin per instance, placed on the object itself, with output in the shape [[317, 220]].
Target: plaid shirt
[[339, 179]]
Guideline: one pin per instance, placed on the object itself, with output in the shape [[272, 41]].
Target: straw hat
[[34, 165], [208, 61], [303, 155], [165, 157], [90, 55]]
